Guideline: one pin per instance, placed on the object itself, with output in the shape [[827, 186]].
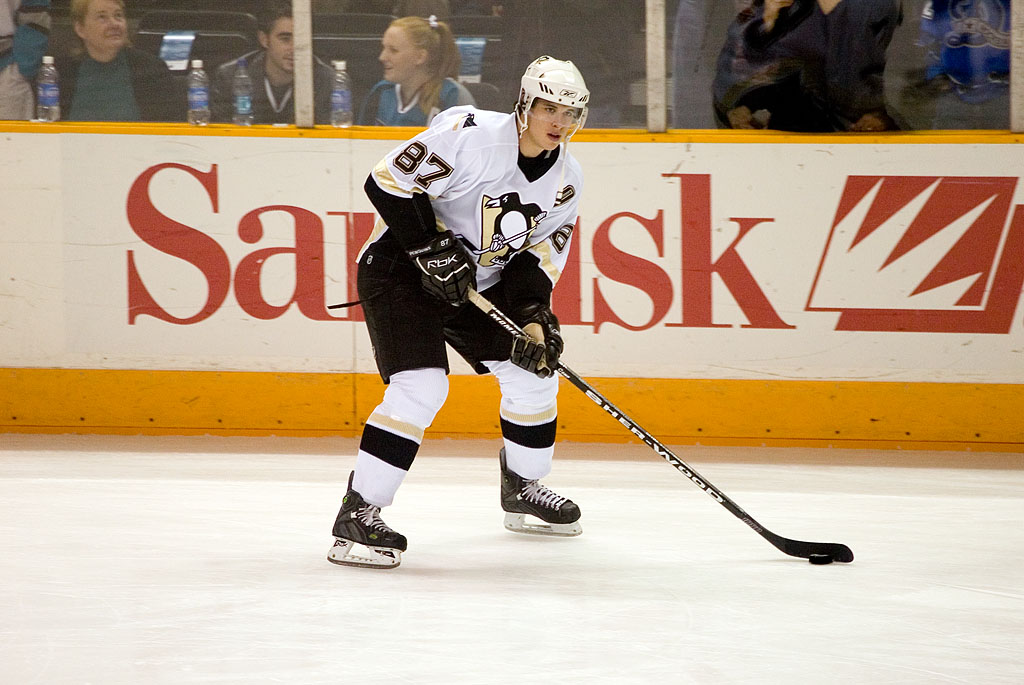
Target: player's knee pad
[[524, 392], [415, 396]]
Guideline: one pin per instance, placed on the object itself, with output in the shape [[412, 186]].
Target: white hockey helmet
[[555, 80]]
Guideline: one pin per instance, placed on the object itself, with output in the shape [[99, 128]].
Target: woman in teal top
[[421, 62], [105, 79]]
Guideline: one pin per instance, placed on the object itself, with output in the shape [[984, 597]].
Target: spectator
[[272, 69], [968, 62], [105, 79], [969, 43], [24, 31], [421, 62], [806, 65]]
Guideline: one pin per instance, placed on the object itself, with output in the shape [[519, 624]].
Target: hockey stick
[[794, 548]]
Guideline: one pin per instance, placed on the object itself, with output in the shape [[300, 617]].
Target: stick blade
[[804, 550]]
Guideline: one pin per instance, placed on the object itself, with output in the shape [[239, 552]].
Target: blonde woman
[[421, 62]]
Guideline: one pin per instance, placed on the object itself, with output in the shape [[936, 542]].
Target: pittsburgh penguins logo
[[506, 225]]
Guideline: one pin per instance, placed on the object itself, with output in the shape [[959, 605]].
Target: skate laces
[[534, 492], [369, 515]]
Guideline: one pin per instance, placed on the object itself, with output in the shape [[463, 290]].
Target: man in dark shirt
[[273, 75]]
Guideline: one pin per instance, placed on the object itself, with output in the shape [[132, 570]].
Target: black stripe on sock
[[536, 437], [388, 447]]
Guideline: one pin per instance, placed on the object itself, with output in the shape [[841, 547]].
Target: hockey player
[[480, 200]]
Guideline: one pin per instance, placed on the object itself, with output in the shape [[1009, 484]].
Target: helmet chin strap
[[521, 120]]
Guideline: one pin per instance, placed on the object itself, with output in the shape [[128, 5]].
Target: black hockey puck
[[820, 559]]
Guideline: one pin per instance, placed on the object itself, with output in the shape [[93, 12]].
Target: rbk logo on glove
[[448, 270], [441, 263]]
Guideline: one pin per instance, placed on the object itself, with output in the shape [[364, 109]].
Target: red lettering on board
[[177, 240], [622, 267], [309, 292], [698, 267]]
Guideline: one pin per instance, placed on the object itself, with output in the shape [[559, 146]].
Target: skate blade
[[380, 557], [517, 523]]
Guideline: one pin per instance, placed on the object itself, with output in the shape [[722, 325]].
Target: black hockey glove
[[539, 352], [448, 270]]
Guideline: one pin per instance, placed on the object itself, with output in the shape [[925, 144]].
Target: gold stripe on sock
[[394, 425], [529, 419]]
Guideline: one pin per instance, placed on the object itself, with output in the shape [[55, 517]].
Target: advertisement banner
[[816, 261]]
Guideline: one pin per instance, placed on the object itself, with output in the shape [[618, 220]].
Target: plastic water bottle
[[341, 97], [48, 92], [242, 90], [198, 95]]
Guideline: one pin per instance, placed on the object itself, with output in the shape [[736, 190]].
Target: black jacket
[[158, 94]]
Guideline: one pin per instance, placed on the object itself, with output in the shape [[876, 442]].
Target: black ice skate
[[520, 497], [359, 523]]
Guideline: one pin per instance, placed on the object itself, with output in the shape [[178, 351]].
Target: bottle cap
[[340, 64], [48, 59], [242, 62], [197, 64]]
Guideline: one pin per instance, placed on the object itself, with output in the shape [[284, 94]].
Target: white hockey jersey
[[467, 163]]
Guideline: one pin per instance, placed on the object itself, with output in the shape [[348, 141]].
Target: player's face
[[279, 46], [402, 60], [103, 29], [548, 125]]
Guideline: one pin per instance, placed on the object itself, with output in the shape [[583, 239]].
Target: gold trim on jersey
[[394, 425], [378, 230], [543, 252], [386, 180]]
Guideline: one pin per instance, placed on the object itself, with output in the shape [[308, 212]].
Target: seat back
[[144, 6], [220, 36], [477, 25], [351, 24], [205, 21], [488, 96], [355, 38], [490, 28]]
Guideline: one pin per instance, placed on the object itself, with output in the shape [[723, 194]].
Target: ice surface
[[202, 560]]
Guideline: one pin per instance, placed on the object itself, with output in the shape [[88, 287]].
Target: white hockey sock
[[394, 431], [529, 416], [376, 480], [526, 462]]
